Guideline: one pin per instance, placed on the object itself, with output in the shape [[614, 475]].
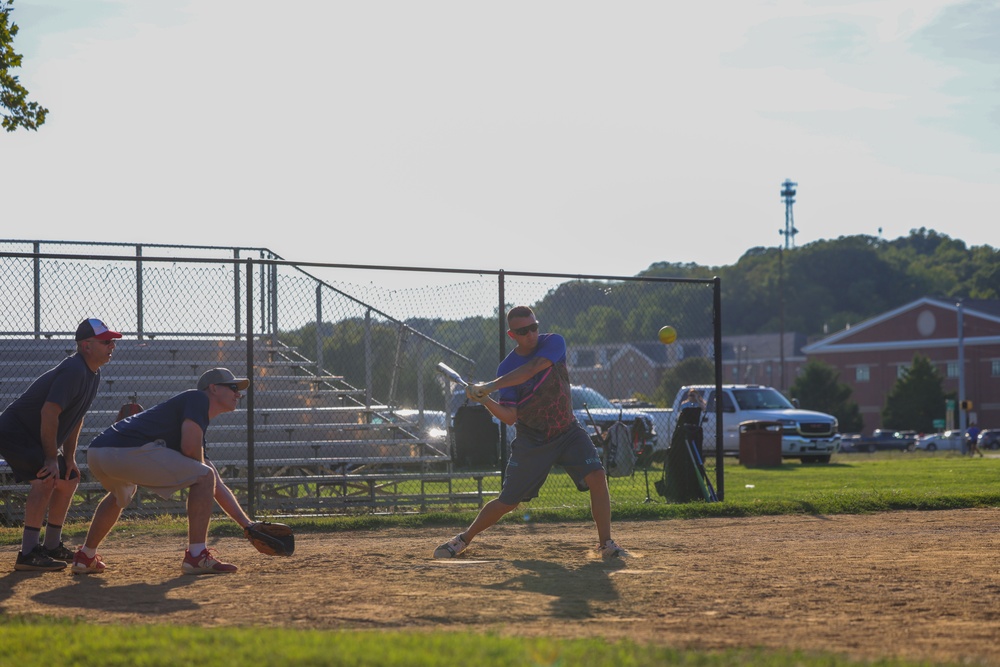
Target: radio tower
[[788, 194]]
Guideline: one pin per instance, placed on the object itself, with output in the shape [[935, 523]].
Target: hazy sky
[[579, 137]]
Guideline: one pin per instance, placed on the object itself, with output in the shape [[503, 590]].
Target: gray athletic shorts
[[530, 463], [154, 466]]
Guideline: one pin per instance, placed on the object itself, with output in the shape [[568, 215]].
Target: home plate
[[455, 561]]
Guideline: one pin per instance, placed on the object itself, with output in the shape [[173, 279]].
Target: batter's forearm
[[504, 413]]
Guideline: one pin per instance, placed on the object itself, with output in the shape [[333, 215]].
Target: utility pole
[[788, 195], [962, 412], [789, 232]]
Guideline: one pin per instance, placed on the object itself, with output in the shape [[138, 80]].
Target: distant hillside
[[830, 284]]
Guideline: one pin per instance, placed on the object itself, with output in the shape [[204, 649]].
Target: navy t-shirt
[[71, 385], [160, 422]]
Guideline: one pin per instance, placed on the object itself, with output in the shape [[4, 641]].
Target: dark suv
[[886, 439], [989, 439]]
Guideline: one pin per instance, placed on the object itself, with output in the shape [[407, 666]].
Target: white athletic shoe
[[611, 550], [451, 548]]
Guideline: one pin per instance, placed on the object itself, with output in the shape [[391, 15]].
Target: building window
[[995, 368], [953, 369], [901, 371], [862, 374], [586, 358]]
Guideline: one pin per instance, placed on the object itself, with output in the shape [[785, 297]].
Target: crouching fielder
[[163, 449]]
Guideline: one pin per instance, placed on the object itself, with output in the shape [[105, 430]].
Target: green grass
[[37, 641], [849, 484]]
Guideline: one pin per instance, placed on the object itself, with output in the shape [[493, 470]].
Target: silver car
[[954, 440]]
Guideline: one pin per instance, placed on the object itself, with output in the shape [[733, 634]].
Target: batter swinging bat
[[450, 373]]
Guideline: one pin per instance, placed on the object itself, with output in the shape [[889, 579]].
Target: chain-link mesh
[[345, 412]]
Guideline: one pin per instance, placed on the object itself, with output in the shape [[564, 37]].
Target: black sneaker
[[59, 553], [38, 561]]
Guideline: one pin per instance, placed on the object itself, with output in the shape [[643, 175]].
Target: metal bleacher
[[313, 443]]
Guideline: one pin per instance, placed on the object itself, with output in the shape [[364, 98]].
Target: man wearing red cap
[[38, 438]]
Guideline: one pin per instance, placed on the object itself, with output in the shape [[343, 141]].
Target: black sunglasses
[[234, 387], [522, 331]]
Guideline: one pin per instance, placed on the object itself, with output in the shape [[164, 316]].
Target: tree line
[[826, 285]]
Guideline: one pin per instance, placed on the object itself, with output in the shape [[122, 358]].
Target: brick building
[[871, 356]]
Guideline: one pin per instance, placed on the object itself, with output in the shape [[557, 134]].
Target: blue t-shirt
[[544, 402], [71, 385], [161, 422]]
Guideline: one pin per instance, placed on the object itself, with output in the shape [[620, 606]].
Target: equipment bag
[[620, 453], [476, 438]]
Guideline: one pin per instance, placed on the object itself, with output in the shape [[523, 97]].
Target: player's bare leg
[[62, 498], [492, 512], [105, 517], [199, 508], [600, 504]]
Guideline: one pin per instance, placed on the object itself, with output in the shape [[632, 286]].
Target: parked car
[[989, 439], [886, 439], [605, 413], [954, 440], [848, 442], [431, 424]]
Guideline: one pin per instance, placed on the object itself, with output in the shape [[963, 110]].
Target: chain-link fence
[[345, 412]]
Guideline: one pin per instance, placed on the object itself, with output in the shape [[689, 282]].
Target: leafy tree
[[13, 96], [818, 387], [917, 398]]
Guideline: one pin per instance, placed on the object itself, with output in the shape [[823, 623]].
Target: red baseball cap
[[94, 328]]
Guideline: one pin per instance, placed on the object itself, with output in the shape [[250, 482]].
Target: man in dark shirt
[[163, 449], [38, 438]]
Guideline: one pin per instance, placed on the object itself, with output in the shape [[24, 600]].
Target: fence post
[[368, 362], [720, 487], [319, 324], [38, 290], [501, 350], [273, 285], [263, 293], [251, 484], [236, 295], [140, 326]]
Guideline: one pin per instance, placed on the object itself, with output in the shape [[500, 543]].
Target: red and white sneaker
[[84, 565], [205, 563]]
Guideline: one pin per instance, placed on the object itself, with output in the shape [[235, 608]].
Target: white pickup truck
[[806, 435]]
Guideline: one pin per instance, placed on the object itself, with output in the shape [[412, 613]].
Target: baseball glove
[[273, 539]]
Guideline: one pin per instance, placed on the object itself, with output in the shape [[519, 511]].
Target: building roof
[[855, 338]]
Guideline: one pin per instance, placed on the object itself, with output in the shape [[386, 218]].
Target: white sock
[[196, 549], [88, 552]]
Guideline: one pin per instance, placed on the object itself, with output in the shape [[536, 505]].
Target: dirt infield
[[918, 585]]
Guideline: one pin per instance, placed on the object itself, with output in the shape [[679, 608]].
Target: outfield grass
[[36, 641], [849, 484]]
